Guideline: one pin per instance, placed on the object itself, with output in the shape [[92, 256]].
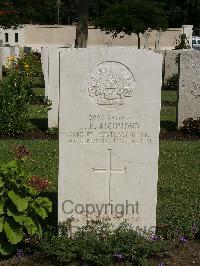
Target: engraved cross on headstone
[[109, 171]]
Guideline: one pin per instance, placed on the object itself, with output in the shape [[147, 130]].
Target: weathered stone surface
[[109, 135], [45, 68], [189, 86], [53, 85], [172, 63], [1, 63]]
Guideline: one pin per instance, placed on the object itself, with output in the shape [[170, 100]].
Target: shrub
[[97, 244], [171, 83], [15, 96], [184, 43], [191, 126], [29, 64], [22, 208]]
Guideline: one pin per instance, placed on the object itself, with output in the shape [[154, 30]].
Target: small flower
[[154, 238], [183, 239], [161, 264], [39, 183], [118, 256], [20, 253]]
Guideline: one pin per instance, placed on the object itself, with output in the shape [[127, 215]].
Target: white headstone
[[53, 85], [6, 54], [171, 63], [45, 68], [109, 125], [189, 87], [1, 64]]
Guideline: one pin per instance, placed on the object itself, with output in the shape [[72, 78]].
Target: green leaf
[[13, 232], [42, 206], [30, 225], [45, 203], [18, 218], [20, 202], [2, 203], [41, 212], [1, 224], [2, 191], [1, 182], [39, 230]]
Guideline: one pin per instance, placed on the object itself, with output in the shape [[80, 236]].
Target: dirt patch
[[37, 259], [185, 255]]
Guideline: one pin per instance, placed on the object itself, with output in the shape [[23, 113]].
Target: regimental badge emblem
[[111, 84]]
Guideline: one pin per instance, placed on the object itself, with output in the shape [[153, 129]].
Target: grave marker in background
[[110, 101], [1, 64], [45, 68], [53, 85], [189, 87]]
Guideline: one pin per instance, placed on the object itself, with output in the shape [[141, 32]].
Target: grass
[[169, 96], [39, 91], [44, 157], [168, 118], [178, 187], [179, 168], [38, 118], [179, 176]]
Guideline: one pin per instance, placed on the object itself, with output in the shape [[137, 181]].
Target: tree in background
[[182, 12], [179, 12], [82, 26], [8, 14], [132, 16]]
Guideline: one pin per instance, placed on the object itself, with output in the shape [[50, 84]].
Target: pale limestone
[[53, 85], [109, 125], [1, 64], [45, 68], [189, 87]]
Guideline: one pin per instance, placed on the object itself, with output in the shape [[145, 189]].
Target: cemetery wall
[[37, 36]]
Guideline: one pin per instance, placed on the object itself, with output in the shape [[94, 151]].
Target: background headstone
[[1, 64], [45, 68], [172, 63], [109, 124], [53, 85], [6, 55], [189, 87]]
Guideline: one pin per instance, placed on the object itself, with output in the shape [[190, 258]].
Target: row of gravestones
[[183, 63], [107, 103]]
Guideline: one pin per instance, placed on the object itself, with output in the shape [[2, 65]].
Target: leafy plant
[[191, 126], [132, 16], [15, 96], [98, 244], [52, 131], [171, 83], [22, 208]]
